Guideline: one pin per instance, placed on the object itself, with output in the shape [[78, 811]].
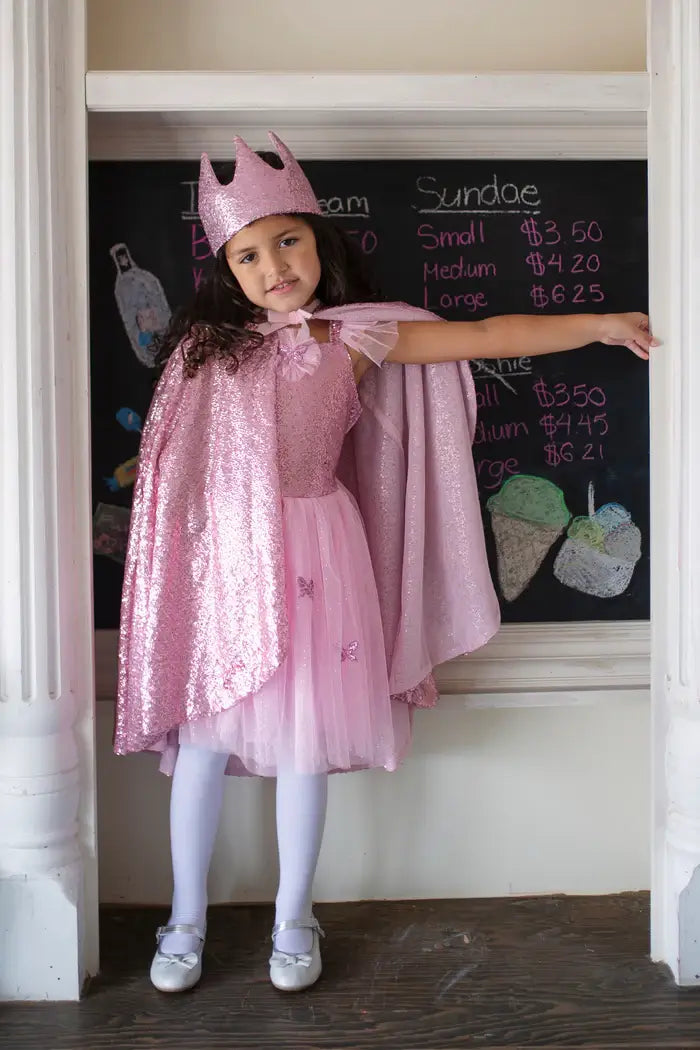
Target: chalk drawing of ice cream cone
[[528, 515], [142, 304], [601, 551]]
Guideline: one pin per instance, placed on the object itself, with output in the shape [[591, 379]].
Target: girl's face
[[275, 262]]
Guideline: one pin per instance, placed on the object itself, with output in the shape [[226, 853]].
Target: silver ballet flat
[[176, 973], [294, 973]]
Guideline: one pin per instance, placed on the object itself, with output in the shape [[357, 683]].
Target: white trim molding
[[674, 176], [156, 116], [346, 96], [540, 662], [48, 865], [525, 665], [138, 136]]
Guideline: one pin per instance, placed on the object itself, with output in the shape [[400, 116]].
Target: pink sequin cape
[[203, 619]]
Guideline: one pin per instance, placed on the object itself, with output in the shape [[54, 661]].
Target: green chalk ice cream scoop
[[528, 515], [533, 499]]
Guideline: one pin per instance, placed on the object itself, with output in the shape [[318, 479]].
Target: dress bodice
[[317, 404]]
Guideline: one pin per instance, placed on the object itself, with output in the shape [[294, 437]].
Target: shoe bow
[[288, 959], [188, 960]]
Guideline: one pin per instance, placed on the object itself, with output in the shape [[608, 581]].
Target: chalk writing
[[352, 207], [493, 198], [532, 230], [491, 472], [457, 271], [488, 396], [200, 244], [579, 264], [581, 230], [466, 301], [511, 366], [560, 394], [369, 242], [499, 431], [192, 210], [566, 452], [541, 297], [473, 233], [554, 424]]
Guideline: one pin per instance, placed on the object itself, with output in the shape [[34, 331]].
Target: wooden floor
[[544, 972]]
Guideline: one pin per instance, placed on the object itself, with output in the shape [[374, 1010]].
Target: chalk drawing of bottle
[[142, 304]]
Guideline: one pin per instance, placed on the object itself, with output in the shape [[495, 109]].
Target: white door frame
[[48, 858], [674, 243]]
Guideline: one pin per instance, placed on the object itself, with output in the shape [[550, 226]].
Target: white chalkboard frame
[[162, 115]]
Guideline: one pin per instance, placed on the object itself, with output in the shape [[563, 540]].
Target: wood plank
[[541, 972]]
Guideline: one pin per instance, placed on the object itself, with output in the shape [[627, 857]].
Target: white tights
[[195, 807]]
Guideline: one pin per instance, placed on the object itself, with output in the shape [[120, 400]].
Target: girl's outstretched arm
[[518, 335]]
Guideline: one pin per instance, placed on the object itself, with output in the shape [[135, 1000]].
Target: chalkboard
[[467, 239]]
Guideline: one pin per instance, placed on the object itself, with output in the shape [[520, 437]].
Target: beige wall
[[490, 803], [402, 35]]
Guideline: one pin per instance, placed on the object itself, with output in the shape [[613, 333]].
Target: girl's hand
[[630, 330]]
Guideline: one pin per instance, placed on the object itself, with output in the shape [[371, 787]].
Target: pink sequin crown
[[255, 191]]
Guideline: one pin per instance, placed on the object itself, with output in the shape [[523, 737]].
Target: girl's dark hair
[[217, 321]]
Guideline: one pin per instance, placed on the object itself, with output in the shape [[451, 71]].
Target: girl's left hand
[[630, 330]]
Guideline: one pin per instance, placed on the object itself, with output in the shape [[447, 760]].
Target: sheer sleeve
[[373, 339]]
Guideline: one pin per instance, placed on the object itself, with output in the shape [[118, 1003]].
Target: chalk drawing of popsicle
[[123, 476], [601, 551], [528, 515], [129, 419], [142, 304]]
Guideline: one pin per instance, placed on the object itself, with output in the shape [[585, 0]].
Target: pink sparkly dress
[[327, 707], [268, 611]]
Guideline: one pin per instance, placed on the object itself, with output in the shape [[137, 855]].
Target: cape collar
[[277, 320]]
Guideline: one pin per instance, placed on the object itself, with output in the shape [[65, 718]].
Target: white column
[[48, 929], [674, 157]]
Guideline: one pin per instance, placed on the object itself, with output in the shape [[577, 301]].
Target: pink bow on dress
[[299, 352]]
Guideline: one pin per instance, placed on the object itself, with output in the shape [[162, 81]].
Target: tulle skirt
[[327, 708]]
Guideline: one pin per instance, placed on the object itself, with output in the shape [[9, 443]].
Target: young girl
[[273, 624]]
